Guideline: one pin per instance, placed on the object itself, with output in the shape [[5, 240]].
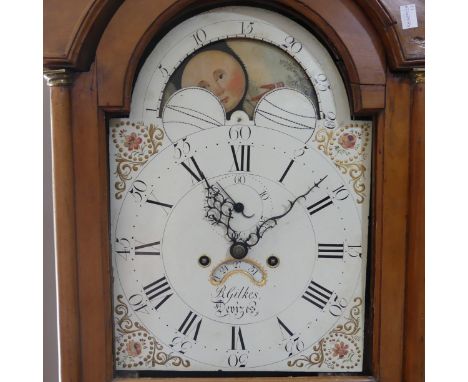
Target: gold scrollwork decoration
[[339, 349], [316, 358], [135, 346], [351, 326], [419, 76], [134, 144], [347, 148]]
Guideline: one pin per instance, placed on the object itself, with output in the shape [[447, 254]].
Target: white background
[[21, 177]]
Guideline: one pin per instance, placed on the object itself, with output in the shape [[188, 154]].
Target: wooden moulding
[[387, 283], [414, 305], [405, 47], [262, 379], [72, 30], [81, 188], [92, 230], [391, 182], [349, 34]]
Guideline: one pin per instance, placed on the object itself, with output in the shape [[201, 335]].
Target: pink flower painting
[[133, 348], [340, 350], [132, 142], [347, 140]]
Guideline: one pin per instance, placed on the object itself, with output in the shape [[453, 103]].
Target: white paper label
[[409, 19]]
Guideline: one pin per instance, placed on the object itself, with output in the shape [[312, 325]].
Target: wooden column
[[64, 221], [413, 370]]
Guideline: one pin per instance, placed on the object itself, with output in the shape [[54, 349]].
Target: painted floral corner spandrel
[[135, 347], [349, 146], [132, 144], [340, 349]]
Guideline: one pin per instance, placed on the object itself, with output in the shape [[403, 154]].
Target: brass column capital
[[418, 76], [58, 77]]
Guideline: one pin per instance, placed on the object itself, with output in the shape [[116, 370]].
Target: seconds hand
[[238, 207]]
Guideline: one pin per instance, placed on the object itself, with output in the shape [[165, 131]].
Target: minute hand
[[264, 226]]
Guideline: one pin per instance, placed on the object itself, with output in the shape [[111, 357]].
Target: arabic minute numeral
[[293, 342], [137, 303], [354, 251], [341, 193], [239, 179], [293, 346], [241, 133], [163, 71], [247, 27], [329, 119], [182, 149], [321, 82], [180, 344], [199, 36], [291, 44], [237, 359], [337, 306], [123, 245], [138, 190]]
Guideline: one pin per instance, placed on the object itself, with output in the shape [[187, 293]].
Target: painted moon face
[[220, 73]]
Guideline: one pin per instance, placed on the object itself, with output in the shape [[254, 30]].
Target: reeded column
[[60, 82]]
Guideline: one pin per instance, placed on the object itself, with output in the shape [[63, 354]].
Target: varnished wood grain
[[92, 214], [65, 233], [348, 33], [414, 308], [72, 30], [82, 213], [405, 47], [391, 225], [261, 379], [375, 243]]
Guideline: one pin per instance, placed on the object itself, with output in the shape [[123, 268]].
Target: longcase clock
[[231, 191]]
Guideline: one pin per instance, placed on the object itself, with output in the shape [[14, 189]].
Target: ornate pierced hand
[[219, 210], [238, 207]]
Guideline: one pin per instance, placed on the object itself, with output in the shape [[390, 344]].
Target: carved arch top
[[72, 29], [351, 36], [116, 34]]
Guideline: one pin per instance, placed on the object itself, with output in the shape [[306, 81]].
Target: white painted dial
[[238, 245], [167, 205]]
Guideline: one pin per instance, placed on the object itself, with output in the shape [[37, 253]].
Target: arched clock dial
[[237, 240], [265, 49]]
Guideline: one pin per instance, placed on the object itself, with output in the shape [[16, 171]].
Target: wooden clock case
[[92, 53]]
